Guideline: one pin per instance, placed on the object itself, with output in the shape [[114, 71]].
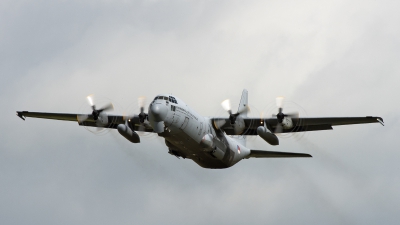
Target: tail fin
[[242, 108], [243, 103]]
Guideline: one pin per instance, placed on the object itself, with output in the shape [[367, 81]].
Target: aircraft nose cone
[[158, 112]]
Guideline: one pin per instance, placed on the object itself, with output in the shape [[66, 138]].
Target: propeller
[[136, 118], [239, 125], [281, 116], [95, 112], [226, 104], [142, 115]]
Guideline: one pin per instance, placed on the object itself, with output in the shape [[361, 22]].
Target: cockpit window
[[173, 100], [161, 98]]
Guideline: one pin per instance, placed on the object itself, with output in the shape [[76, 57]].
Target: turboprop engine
[[239, 126], [267, 135], [284, 120], [236, 119], [128, 133]]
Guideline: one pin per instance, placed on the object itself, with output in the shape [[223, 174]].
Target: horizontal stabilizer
[[271, 154]]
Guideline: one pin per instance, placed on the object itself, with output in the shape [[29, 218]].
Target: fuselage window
[[165, 98]]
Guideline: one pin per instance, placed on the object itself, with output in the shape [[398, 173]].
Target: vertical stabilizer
[[243, 104], [243, 109]]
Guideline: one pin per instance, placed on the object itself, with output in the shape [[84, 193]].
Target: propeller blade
[[90, 100], [107, 108], [99, 129], [219, 123], [292, 114], [245, 109], [141, 128], [278, 128], [141, 103], [226, 104], [279, 102]]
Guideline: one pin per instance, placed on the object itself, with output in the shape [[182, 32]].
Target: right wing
[[299, 124], [113, 120], [271, 154]]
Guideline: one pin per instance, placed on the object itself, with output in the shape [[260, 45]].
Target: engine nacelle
[[267, 135], [239, 125], [287, 123], [128, 133]]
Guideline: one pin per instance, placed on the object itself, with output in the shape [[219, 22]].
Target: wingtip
[[20, 115], [380, 120], [305, 155]]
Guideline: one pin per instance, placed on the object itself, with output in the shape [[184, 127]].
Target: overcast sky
[[328, 58]]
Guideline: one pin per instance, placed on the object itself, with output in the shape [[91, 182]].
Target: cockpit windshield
[[161, 98], [169, 98]]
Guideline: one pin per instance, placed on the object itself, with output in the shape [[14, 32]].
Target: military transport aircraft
[[214, 142]]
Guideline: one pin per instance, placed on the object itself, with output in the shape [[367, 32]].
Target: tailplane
[[271, 154]]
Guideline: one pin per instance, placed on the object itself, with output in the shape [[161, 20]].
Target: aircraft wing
[[299, 124], [85, 119], [271, 154]]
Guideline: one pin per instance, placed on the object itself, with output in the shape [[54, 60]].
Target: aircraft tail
[[243, 105]]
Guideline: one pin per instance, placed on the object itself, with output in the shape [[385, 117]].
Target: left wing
[[112, 120], [299, 124]]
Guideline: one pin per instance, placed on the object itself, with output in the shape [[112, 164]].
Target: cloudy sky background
[[331, 58]]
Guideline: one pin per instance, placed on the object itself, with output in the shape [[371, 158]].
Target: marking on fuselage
[[187, 113], [185, 123]]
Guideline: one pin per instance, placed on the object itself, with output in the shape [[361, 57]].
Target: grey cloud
[[331, 58]]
